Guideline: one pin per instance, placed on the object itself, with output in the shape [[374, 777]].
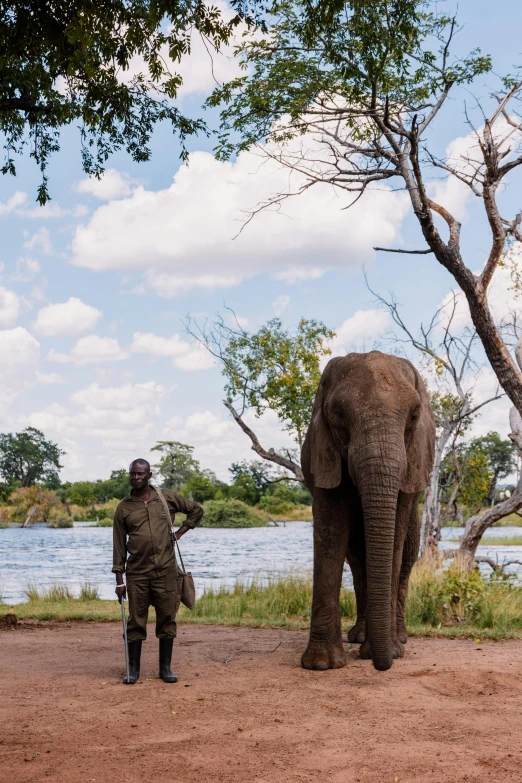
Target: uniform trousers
[[163, 594]]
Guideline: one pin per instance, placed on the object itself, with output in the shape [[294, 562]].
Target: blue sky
[[95, 287]]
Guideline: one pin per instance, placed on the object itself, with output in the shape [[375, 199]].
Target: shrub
[[106, 510], [4, 516], [31, 504], [58, 517], [231, 513]]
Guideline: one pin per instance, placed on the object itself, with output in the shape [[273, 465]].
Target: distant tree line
[[32, 491]]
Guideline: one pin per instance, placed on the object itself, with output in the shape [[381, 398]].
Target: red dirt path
[[447, 712]]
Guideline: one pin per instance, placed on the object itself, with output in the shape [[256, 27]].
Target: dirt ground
[[450, 711]]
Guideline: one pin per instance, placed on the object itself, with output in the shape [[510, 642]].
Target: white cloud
[[41, 240], [69, 318], [90, 350], [124, 397], [26, 270], [20, 353], [17, 200], [186, 231], [170, 286], [9, 307], [103, 428], [363, 327], [50, 377], [112, 185], [218, 441], [280, 304], [298, 274], [188, 356]]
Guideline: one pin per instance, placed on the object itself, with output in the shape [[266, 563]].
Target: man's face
[[139, 475]]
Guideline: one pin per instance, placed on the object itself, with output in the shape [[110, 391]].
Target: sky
[[95, 288]]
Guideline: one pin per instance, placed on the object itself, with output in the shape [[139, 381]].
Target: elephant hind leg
[[356, 557]]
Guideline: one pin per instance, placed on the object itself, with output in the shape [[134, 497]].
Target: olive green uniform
[[143, 547]]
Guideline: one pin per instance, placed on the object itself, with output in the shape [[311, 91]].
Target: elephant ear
[[420, 449], [325, 461]]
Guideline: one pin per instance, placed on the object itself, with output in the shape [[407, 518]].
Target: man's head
[[139, 473]]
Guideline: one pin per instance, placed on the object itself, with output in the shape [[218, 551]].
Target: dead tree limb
[[271, 454]]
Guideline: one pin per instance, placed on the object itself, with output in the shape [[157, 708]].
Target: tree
[[348, 96], [29, 458], [83, 493], [244, 488], [64, 63], [501, 459], [262, 475], [271, 369], [176, 465], [203, 486], [116, 486], [466, 476]]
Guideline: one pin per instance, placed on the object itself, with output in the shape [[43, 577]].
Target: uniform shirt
[[142, 541]]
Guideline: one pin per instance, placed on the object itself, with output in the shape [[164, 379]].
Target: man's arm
[[193, 511], [119, 554]]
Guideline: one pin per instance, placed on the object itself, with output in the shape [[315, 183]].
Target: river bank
[[244, 710], [441, 602]]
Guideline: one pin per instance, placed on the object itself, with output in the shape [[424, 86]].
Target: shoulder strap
[[167, 511]]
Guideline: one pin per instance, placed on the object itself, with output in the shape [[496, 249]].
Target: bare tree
[[450, 354], [350, 103]]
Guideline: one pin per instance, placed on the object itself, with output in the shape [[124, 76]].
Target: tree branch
[[271, 454], [396, 250]]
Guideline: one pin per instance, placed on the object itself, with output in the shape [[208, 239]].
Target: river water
[[216, 557]]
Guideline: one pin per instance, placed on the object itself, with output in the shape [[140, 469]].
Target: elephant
[[367, 455]]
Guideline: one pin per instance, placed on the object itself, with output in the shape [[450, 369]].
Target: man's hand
[[121, 592], [181, 532]]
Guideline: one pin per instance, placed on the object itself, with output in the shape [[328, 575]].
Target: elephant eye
[[415, 415]]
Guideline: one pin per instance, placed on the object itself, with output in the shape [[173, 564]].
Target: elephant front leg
[[325, 647]]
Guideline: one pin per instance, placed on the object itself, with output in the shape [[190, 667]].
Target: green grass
[[498, 541], [53, 593], [451, 602], [88, 592]]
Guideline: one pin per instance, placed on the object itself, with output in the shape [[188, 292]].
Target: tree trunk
[[477, 525], [431, 507]]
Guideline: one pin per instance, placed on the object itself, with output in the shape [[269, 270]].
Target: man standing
[[143, 546]]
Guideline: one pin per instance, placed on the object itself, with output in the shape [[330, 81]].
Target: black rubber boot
[[134, 663], [165, 657]]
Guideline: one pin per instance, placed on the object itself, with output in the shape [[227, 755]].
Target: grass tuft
[[88, 592], [55, 592]]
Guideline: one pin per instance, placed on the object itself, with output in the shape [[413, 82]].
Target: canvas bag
[[188, 591]]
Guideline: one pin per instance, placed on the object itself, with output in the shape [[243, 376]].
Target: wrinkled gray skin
[[367, 455]]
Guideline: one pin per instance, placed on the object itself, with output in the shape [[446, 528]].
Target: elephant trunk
[[378, 481]]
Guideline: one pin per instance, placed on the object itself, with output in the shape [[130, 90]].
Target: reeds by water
[[448, 600]]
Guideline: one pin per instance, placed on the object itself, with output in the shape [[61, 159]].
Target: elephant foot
[[397, 649], [324, 655], [357, 633], [402, 633]]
